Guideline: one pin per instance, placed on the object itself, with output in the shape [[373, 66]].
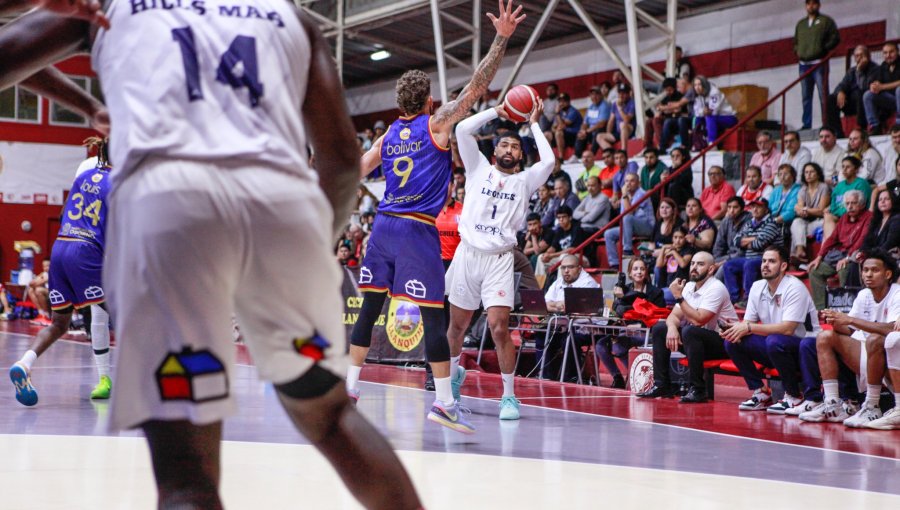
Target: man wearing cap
[[758, 233], [621, 125], [566, 125], [595, 120]]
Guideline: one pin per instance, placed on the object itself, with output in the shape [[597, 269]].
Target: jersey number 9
[[403, 174]]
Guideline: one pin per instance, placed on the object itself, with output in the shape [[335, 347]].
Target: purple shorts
[[403, 258], [76, 269]]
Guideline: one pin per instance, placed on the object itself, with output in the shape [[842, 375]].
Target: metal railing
[[688, 166]]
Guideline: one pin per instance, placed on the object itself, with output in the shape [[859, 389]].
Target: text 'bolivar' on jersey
[[199, 7]]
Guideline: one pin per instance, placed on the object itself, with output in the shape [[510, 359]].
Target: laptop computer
[[533, 302], [583, 301]]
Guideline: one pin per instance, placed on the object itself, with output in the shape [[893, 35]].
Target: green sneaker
[[101, 391], [509, 408], [456, 382]]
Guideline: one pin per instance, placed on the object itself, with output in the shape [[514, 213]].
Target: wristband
[[678, 301]]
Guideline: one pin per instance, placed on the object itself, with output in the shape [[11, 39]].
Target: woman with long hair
[[711, 108], [701, 229], [812, 202], [667, 220]]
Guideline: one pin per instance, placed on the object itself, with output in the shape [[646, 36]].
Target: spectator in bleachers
[[365, 200], [681, 188], [766, 158], [608, 172], [562, 196], [378, 129], [780, 313], [610, 348], [595, 119], [701, 229], [639, 223], [572, 277], [617, 79], [834, 255], [857, 342], [711, 108], [459, 178], [783, 199], [812, 202], [851, 182], [593, 212], [620, 127], [367, 221], [673, 262], [460, 194], [591, 169], [860, 147], [758, 233], [894, 184], [551, 101], [848, 94], [691, 328], [345, 258], [558, 173], [755, 186], [667, 220], [727, 245], [625, 167], [544, 199], [828, 155], [716, 194], [565, 127], [670, 118], [536, 240], [883, 233], [892, 153], [651, 172], [683, 69], [814, 37], [567, 235], [882, 99], [794, 154]]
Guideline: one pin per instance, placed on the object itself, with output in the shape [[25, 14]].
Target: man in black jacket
[[848, 95]]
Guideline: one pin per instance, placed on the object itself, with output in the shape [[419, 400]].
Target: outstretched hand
[[537, 111], [505, 24], [89, 10]]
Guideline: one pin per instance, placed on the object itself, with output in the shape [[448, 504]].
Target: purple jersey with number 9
[[416, 170]]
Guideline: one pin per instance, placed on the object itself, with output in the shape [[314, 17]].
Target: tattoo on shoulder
[[455, 111]]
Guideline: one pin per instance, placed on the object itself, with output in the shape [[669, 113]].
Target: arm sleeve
[[599, 209], [795, 307], [766, 236], [790, 202], [539, 172], [834, 36], [465, 138]]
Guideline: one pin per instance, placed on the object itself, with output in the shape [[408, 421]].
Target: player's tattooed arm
[[337, 158], [505, 24], [53, 84]]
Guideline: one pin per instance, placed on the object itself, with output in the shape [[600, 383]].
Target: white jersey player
[[209, 101], [482, 269]]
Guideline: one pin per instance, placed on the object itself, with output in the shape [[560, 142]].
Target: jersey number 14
[[237, 66]]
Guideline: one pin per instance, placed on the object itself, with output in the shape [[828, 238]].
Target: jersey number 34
[[237, 66]]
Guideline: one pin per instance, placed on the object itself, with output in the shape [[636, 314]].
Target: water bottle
[[26, 266]]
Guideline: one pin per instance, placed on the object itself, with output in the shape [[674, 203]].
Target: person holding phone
[[700, 306]]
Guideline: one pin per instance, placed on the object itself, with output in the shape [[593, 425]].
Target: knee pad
[[314, 383], [99, 329], [373, 302], [437, 349]]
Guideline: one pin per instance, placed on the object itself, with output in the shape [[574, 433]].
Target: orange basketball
[[519, 102]]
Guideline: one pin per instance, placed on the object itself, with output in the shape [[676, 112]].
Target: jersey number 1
[[237, 66]]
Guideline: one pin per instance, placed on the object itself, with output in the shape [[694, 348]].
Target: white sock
[[454, 365], [100, 339], [353, 376], [896, 399], [508, 384], [873, 395], [442, 390], [831, 390], [28, 359]]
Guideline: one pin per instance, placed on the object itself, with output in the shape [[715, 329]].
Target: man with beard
[[780, 312], [700, 305], [482, 270]]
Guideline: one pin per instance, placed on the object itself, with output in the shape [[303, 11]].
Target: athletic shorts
[[476, 277], [403, 258], [76, 279], [190, 245]]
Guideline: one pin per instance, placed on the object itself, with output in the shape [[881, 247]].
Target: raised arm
[[37, 40], [456, 110], [53, 84], [324, 105], [465, 138], [540, 171]]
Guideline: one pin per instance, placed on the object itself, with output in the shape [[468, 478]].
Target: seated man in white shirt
[[794, 154], [857, 341], [700, 305], [780, 313], [571, 275], [891, 418]]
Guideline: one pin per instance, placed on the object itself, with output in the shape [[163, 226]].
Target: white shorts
[[190, 244], [892, 350], [475, 277]]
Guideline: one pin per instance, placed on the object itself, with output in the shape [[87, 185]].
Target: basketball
[[519, 102]]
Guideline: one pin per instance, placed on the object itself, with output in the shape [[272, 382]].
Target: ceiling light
[[380, 55]]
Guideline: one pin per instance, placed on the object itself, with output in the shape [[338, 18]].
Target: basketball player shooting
[[496, 206], [403, 257]]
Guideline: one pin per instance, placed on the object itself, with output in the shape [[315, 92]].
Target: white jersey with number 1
[[496, 202], [222, 84]]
